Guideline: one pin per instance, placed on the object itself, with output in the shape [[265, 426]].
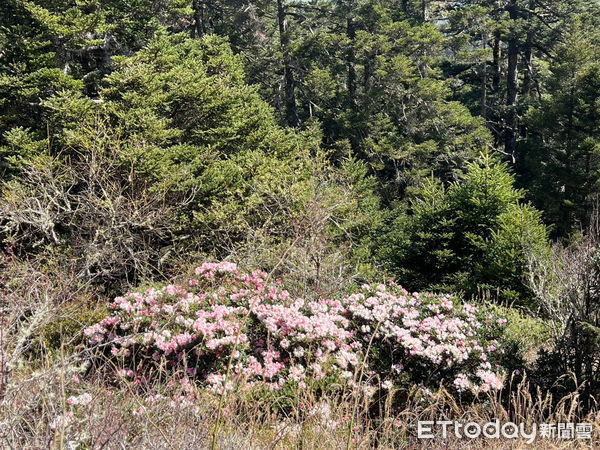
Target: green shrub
[[522, 338], [468, 237], [64, 333]]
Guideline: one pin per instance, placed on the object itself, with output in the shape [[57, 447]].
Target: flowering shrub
[[228, 329], [424, 338]]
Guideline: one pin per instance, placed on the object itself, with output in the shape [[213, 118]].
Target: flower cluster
[[415, 333], [229, 329], [82, 399]]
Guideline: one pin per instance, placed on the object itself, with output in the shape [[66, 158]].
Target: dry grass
[[34, 414]]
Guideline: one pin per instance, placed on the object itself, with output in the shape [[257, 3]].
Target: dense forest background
[[453, 146]]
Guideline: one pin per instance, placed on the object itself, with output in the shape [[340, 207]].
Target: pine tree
[[564, 144], [469, 237]]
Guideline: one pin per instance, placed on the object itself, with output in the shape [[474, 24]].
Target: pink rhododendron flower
[[226, 318]]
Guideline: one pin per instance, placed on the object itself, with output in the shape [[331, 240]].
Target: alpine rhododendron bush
[[231, 330]]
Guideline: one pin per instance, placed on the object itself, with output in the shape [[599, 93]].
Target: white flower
[[462, 383], [61, 421], [82, 399], [387, 384]]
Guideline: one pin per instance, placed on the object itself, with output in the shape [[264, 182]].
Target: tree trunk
[[484, 83], [291, 114], [528, 56], [351, 74], [350, 60], [492, 114], [198, 27], [512, 86], [496, 62]]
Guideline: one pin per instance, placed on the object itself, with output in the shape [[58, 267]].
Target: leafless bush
[[566, 283], [29, 301], [312, 247], [103, 214]]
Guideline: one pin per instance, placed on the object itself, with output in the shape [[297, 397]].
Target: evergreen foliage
[[470, 236]]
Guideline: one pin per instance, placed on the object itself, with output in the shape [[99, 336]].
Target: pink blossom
[[274, 338]]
